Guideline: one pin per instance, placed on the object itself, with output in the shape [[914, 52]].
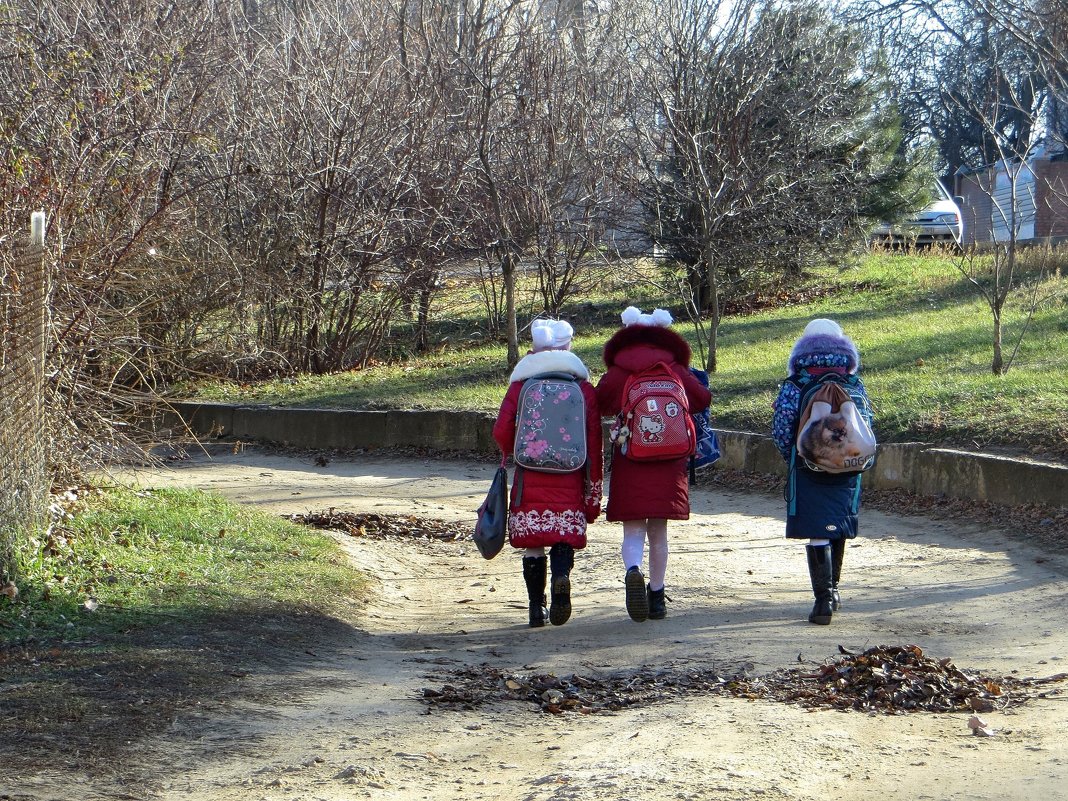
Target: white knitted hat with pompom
[[551, 334], [822, 325], [634, 316]]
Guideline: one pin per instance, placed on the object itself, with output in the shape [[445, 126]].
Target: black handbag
[[492, 526]]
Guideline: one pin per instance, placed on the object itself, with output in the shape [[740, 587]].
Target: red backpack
[[654, 423]]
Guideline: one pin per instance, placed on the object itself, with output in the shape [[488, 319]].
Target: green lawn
[[141, 607], [124, 559], [923, 331]]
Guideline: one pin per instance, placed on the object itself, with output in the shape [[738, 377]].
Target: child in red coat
[[644, 495], [551, 509]]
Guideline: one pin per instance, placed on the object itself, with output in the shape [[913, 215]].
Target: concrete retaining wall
[[914, 467], [339, 428]]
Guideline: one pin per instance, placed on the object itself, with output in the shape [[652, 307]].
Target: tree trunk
[[698, 286], [712, 285], [422, 336], [508, 266], [997, 366]]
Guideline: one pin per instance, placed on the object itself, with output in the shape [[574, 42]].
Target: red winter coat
[[640, 490], [554, 507]]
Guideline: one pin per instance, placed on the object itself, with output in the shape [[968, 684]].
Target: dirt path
[[739, 600]]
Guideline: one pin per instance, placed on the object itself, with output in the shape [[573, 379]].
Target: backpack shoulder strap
[[558, 375], [665, 368]]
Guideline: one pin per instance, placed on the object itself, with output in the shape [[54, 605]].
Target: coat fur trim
[[647, 335], [819, 344], [549, 361]]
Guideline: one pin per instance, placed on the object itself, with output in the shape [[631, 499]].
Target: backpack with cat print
[[654, 423], [550, 425], [833, 435]]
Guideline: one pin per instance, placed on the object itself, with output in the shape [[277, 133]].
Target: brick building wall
[[1051, 214], [1051, 202], [975, 210]]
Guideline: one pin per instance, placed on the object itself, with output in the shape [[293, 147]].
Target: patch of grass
[[924, 334], [124, 559], [142, 607]]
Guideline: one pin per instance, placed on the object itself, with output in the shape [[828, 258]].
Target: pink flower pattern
[[537, 447], [542, 446]]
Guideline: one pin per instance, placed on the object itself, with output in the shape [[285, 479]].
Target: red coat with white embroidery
[[547, 508], [639, 490]]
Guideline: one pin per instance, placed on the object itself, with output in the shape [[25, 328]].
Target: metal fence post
[[24, 475]]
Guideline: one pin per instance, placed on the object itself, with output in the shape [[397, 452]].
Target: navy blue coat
[[821, 504], [818, 505]]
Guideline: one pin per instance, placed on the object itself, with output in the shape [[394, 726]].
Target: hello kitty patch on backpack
[[654, 423], [832, 434], [550, 425]]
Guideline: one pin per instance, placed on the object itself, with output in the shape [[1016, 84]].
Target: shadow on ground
[[93, 707]]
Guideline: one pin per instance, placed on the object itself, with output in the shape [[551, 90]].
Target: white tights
[[634, 534]]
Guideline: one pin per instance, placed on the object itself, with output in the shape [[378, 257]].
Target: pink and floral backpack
[[550, 430]]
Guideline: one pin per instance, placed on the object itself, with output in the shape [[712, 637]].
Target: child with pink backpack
[[549, 422]]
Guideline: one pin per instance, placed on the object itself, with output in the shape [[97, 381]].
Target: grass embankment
[[140, 608], [121, 559], [924, 333]]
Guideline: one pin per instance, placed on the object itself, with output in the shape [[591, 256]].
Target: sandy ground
[[739, 599]]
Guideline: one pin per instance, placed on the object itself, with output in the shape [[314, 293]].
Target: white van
[[938, 223]]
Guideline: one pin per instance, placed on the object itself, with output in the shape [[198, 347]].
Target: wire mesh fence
[[24, 286]]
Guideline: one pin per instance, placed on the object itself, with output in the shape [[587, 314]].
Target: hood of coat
[[637, 346], [823, 350], [549, 361]]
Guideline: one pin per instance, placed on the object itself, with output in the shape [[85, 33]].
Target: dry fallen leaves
[[380, 526], [884, 679]]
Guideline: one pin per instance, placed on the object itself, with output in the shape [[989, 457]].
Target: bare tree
[[946, 55], [762, 139], [576, 100], [327, 191], [986, 80], [1006, 180], [111, 101]]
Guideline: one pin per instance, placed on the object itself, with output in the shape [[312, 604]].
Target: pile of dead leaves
[[892, 679], [376, 526], [885, 679], [472, 686]]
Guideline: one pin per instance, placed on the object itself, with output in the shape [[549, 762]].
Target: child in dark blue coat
[[821, 507]]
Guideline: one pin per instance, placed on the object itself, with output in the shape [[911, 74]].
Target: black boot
[[820, 571], [534, 576], [637, 594], [561, 560], [657, 604], [837, 552]]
